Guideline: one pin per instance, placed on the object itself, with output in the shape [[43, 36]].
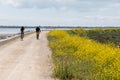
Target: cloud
[[79, 5], [37, 3], [99, 17]]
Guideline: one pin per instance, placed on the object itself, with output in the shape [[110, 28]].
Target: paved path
[[26, 60]]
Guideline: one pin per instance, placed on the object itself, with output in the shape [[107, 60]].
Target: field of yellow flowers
[[100, 35], [80, 58]]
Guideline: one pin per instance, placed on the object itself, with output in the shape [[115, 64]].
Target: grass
[[79, 58]]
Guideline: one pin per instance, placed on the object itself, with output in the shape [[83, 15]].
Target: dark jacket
[[37, 29], [22, 29]]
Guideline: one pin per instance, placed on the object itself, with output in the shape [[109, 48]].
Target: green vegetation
[[80, 58], [101, 35]]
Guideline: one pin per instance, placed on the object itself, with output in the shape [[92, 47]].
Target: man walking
[[37, 32]]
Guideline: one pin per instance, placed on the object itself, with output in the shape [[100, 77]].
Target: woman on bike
[[22, 32]]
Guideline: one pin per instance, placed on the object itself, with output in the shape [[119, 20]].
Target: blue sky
[[60, 12]]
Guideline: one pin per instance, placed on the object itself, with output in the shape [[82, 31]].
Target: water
[[13, 30], [17, 30]]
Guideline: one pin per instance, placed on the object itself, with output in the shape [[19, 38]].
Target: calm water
[[12, 30], [17, 30]]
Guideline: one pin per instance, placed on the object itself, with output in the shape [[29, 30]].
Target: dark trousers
[[22, 35]]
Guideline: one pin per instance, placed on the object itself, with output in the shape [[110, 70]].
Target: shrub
[[79, 58]]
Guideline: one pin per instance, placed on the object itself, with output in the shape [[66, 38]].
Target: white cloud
[[80, 5], [99, 17], [62, 11], [37, 3]]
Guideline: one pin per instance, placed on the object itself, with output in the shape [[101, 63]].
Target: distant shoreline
[[11, 37], [61, 26], [5, 36], [49, 28]]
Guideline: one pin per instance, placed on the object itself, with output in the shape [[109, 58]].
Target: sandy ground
[[26, 60]]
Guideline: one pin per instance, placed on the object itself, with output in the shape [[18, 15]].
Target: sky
[[60, 12]]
